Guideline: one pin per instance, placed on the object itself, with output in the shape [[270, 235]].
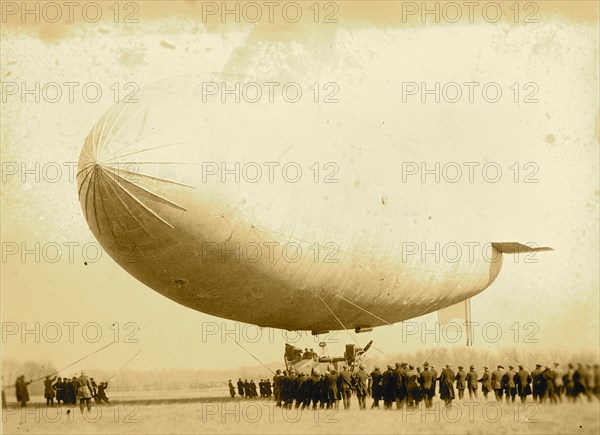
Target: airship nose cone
[[127, 197]]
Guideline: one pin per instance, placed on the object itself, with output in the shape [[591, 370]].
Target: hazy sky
[[553, 62]]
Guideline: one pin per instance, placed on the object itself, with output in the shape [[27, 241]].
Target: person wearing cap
[[447, 385], [399, 385], [580, 381], [508, 384], [314, 388], [84, 392], [49, 391], [253, 390], [388, 387], [472, 379], [284, 388], [436, 378], [292, 388], [333, 395], [323, 389], [301, 390], [461, 382], [549, 378], [94, 387], [559, 386], [427, 383], [69, 391], [362, 386], [412, 387], [568, 382], [59, 388], [497, 376], [376, 387], [276, 387], [419, 394], [345, 385], [522, 381], [538, 383], [486, 382]]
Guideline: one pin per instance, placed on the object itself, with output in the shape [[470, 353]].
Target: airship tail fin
[[517, 248]]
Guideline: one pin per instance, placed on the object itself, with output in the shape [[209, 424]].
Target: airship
[[235, 199]]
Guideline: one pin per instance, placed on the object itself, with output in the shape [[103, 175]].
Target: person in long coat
[[49, 390], [522, 383], [461, 383], [447, 385], [59, 387], [362, 388], [486, 382], [508, 384], [21, 391], [388, 387], [376, 387], [332, 390], [472, 380], [497, 376], [427, 382], [84, 392], [315, 388]]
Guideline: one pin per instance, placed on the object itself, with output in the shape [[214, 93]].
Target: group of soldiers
[[407, 385], [80, 389], [248, 389]]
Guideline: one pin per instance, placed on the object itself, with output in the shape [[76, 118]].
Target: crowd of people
[[79, 389], [407, 385], [248, 389]]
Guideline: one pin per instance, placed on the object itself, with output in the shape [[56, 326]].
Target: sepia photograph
[[300, 217]]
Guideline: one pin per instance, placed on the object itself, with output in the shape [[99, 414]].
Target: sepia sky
[[373, 49]]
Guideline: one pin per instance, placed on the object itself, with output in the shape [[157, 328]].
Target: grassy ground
[[262, 417]]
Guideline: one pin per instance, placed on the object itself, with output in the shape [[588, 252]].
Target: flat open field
[[218, 415]]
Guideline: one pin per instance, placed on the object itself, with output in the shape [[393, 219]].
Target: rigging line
[[79, 360], [346, 329], [527, 352], [430, 355], [506, 353], [359, 307], [124, 365], [374, 347], [249, 353], [338, 320]]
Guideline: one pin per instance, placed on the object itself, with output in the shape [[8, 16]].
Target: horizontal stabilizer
[[517, 248]]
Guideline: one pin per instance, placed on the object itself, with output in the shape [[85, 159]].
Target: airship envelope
[[282, 214]]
